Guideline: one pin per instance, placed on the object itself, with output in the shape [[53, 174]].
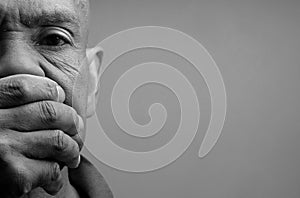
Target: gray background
[[256, 45]]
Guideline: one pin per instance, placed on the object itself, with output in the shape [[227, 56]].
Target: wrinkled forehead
[[24, 10]]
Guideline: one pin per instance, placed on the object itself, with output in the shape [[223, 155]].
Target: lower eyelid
[[55, 49]]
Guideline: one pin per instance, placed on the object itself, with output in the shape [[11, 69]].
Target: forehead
[[26, 10], [31, 5]]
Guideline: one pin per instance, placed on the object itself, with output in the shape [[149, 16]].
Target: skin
[[46, 87]]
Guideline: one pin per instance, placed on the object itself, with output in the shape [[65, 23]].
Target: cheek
[[80, 92], [70, 71], [73, 81], [80, 97]]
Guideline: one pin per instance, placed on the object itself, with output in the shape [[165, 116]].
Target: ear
[[94, 59]]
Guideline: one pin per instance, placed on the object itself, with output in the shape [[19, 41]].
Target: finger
[[54, 187], [51, 145], [22, 89], [46, 175], [43, 115], [23, 175]]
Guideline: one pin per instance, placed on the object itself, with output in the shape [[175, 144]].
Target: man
[[47, 90]]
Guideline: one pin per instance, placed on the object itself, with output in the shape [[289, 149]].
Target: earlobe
[[94, 59]]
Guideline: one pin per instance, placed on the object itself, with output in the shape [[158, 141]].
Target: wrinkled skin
[[42, 55]]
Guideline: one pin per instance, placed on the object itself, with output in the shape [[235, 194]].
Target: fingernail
[[80, 125], [75, 165], [79, 160], [60, 94]]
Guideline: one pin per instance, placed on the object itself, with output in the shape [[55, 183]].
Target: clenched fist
[[38, 135]]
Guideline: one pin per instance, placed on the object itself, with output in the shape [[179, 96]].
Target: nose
[[18, 58]]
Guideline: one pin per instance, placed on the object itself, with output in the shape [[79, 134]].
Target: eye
[[54, 40], [55, 37]]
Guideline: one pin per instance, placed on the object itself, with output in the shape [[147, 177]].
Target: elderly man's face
[[47, 38]]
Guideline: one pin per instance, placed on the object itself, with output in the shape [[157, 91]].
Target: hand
[[38, 133]]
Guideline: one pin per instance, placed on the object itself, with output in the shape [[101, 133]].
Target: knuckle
[[60, 141], [52, 91], [48, 112], [16, 88], [54, 172]]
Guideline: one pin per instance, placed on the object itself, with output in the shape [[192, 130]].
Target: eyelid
[[59, 31]]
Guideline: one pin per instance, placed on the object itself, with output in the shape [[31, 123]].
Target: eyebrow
[[50, 17]]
